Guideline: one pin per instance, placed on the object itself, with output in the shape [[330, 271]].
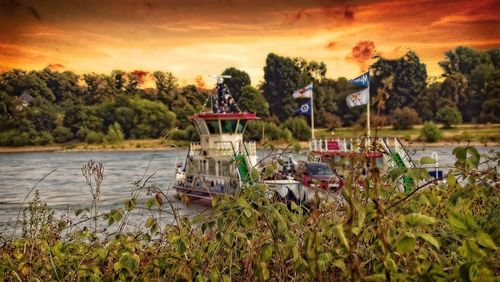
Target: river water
[[64, 188]]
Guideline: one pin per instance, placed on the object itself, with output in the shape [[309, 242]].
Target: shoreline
[[303, 144]]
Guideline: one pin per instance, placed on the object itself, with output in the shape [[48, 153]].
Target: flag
[[358, 98], [304, 109], [362, 80], [305, 92]]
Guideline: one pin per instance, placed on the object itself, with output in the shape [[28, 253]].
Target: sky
[[195, 38]]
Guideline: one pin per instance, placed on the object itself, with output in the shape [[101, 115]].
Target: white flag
[[305, 92], [358, 98]]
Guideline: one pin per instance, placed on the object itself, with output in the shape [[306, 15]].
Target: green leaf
[[131, 204], [429, 239], [324, 260], [128, 262], [242, 202], [406, 244], [417, 219], [264, 270], [418, 173], [390, 264], [339, 230], [463, 224], [427, 160], [266, 252], [375, 277], [150, 222], [150, 203], [452, 181], [80, 211], [226, 278], [102, 252], [485, 240]]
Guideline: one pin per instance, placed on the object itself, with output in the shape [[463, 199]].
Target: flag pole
[[312, 112], [368, 113]]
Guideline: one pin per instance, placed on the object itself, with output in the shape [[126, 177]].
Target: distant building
[[26, 100]]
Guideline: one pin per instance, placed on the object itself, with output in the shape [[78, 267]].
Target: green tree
[[449, 116], [430, 132], [410, 80], [405, 118], [299, 128], [281, 78], [238, 80], [490, 110], [251, 100], [115, 134], [62, 134]]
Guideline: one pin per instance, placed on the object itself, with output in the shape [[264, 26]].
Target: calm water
[[65, 189]]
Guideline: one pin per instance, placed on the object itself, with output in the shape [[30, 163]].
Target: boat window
[[241, 126], [201, 126], [319, 169], [211, 167], [224, 168], [213, 126], [229, 126]]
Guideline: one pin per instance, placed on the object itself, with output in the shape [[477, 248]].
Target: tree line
[[42, 107]]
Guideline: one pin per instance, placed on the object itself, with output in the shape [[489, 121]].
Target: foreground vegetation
[[438, 232]]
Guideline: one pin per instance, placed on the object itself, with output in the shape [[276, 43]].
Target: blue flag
[[362, 80], [304, 109]]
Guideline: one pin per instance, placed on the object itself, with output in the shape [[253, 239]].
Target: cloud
[[349, 14], [140, 75], [331, 45], [362, 53], [55, 67], [200, 82]]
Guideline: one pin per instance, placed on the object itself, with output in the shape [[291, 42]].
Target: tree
[[62, 134], [409, 81], [430, 101], [449, 116], [299, 128], [430, 132], [252, 100], [115, 134], [238, 80], [405, 118], [281, 77], [490, 111]]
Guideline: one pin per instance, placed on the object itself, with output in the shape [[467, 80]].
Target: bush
[[44, 138], [115, 134], [405, 118], [449, 116], [271, 131], [62, 134], [94, 137], [299, 128], [82, 133], [430, 132]]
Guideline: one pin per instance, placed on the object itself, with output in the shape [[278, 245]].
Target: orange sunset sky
[[201, 37]]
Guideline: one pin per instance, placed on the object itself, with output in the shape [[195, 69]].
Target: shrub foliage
[[440, 231]]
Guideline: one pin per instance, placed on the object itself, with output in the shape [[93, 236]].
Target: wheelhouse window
[[213, 126], [229, 125], [201, 127], [241, 126]]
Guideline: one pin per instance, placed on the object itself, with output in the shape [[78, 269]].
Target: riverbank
[[473, 134]]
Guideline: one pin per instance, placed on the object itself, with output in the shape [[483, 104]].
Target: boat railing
[[226, 148], [399, 148], [336, 145]]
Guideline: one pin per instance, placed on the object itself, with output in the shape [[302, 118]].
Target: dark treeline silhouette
[[43, 107]]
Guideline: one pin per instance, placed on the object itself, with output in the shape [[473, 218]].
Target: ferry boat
[[221, 162]]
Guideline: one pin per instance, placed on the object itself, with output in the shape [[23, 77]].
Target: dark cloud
[[140, 75], [349, 14], [55, 66], [331, 45], [13, 6], [363, 52]]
